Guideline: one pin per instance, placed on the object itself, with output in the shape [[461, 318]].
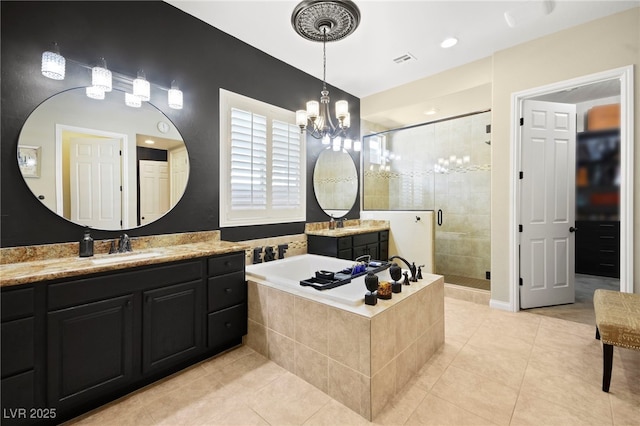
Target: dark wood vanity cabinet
[[90, 351], [107, 334], [226, 299], [374, 244], [22, 364]]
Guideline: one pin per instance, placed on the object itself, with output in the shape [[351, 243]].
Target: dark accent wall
[[168, 44]]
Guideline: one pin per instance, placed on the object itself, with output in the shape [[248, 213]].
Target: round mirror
[[100, 163], [335, 182]]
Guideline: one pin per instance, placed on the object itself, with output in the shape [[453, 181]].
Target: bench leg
[[597, 333], [607, 356]]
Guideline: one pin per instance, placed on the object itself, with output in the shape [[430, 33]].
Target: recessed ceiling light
[[431, 111], [449, 42], [149, 141]]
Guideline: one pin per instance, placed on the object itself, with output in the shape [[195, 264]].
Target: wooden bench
[[617, 324]]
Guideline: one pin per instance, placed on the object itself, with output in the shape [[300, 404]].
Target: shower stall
[[443, 166]]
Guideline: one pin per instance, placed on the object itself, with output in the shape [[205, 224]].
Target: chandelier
[[324, 21]]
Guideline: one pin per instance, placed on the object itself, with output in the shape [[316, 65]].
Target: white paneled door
[[154, 190], [547, 205], [95, 181]]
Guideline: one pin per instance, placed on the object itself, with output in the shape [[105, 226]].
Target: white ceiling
[[362, 64]]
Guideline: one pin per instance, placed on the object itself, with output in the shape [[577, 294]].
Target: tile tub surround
[[50, 262], [359, 355]]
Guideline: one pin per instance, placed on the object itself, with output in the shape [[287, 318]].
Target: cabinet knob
[[127, 304], [228, 290], [227, 324], [572, 229]]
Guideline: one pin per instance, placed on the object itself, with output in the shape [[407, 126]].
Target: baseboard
[[498, 304]]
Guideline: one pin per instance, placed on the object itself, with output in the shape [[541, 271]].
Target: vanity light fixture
[[53, 63], [132, 100], [141, 87], [102, 80], [324, 21], [174, 96]]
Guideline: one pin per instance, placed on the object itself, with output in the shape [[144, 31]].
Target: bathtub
[[287, 273]]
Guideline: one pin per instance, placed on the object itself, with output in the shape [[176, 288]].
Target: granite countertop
[[27, 270], [351, 227]]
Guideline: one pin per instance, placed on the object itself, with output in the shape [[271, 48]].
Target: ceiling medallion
[[311, 18]]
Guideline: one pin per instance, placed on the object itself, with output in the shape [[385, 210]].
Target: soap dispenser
[[86, 244]]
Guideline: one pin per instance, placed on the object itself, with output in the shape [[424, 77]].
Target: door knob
[[572, 229]]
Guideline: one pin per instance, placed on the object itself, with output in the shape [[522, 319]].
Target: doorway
[[624, 76]]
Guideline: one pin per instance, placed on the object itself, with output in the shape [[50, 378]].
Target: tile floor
[[582, 310], [496, 368]]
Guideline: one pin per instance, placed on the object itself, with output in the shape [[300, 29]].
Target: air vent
[[404, 58]]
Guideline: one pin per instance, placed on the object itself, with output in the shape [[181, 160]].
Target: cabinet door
[[90, 351], [171, 325]]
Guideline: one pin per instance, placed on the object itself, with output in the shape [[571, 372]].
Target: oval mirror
[[335, 182], [100, 163]]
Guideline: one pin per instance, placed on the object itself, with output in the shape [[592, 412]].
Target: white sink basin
[[116, 258]]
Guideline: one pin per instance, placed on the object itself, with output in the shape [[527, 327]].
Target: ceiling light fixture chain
[[324, 21]]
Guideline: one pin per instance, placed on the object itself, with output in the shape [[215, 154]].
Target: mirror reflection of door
[[163, 169], [95, 182], [154, 190]]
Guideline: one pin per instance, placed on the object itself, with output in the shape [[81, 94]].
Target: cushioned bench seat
[[617, 324]]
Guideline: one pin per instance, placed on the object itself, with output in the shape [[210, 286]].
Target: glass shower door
[[462, 198]]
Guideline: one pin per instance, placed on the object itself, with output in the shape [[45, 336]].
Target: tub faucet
[[412, 267]]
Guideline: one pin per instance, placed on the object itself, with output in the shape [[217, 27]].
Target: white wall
[[410, 238]]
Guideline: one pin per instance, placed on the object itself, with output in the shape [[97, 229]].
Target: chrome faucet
[[124, 245], [412, 267]]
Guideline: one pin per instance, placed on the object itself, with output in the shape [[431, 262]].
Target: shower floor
[[468, 282]]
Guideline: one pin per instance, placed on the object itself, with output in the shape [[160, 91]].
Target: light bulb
[[94, 93], [174, 96], [141, 87], [53, 64], [132, 100], [101, 76]]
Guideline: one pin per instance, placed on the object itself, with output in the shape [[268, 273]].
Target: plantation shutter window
[[285, 169], [262, 163], [248, 160]]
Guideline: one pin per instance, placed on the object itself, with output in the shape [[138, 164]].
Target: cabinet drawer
[[226, 290], [17, 345], [363, 239], [221, 265], [344, 243], [85, 290], [17, 303], [227, 325]]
